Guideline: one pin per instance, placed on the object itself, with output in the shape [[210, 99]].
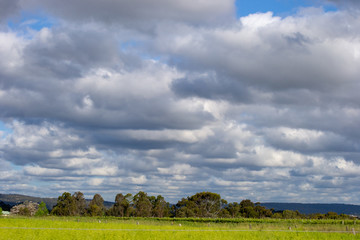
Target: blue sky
[[35, 21], [278, 7], [4, 129], [175, 98]]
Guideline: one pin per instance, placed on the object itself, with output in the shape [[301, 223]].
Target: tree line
[[200, 205]]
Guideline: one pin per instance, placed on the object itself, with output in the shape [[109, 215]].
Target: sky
[[249, 99]]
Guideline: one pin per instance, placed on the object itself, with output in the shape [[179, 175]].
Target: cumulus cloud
[[260, 107]]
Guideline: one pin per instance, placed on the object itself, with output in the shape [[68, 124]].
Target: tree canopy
[[199, 205]]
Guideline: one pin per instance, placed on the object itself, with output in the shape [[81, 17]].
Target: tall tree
[[121, 207], [204, 204], [161, 208], [96, 206], [208, 204], [80, 203], [185, 208], [65, 205], [142, 205], [234, 209]]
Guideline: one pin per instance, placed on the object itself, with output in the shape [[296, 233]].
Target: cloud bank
[[120, 96]]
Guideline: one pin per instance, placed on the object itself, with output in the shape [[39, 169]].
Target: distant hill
[[308, 208], [15, 199], [9, 200]]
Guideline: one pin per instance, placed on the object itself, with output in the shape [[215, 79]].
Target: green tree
[[207, 204], [204, 204], [142, 205], [247, 209], [96, 206], [65, 205], [234, 209], [262, 212], [24, 211], [185, 208], [42, 210], [331, 215], [80, 203], [161, 208], [121, 207], [289, 214], [0, 211], [246, 203]]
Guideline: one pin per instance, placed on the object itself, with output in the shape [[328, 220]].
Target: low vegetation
[[53, 227]]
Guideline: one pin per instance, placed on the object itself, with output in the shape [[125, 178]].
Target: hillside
[[308, 208], [9, 200], [15, 199]]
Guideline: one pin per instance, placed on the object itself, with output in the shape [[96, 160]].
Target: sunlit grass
[[115, 228]]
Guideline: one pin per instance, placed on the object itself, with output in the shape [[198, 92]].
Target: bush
[[42, 210]]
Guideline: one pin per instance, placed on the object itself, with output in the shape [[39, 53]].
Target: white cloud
[[39, 171], [139, 180], [140, 98]]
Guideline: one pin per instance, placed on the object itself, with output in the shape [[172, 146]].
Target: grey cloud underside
[[347, 3], [261, 107], [141, 14], [8, 8]]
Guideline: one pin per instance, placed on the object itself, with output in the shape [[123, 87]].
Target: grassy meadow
[[140, 228]]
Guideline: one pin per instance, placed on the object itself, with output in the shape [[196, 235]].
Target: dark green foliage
[[65, 206], [0, 211], [122, 206], [234, 210], [42, 210], [204, 204], [4, 206], [289, 214], [161, 208], [142, 205], [24, 211], [80, 203], [96, 207]]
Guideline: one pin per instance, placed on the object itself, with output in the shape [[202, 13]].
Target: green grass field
[[114, 228]]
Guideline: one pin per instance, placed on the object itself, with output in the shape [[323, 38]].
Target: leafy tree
[[204, 204], [24, 211], [277, 215], [122, 205], [331, 215], [262, 211], [234, 209], [142, 204], [246, 203], [207, 204], [224, 213], [247, 209], [289, 214], [161, 208], [42, 210], [65, 205], [96, 206], [0, 211], [80, 203], [185, 208], [317, 216]]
